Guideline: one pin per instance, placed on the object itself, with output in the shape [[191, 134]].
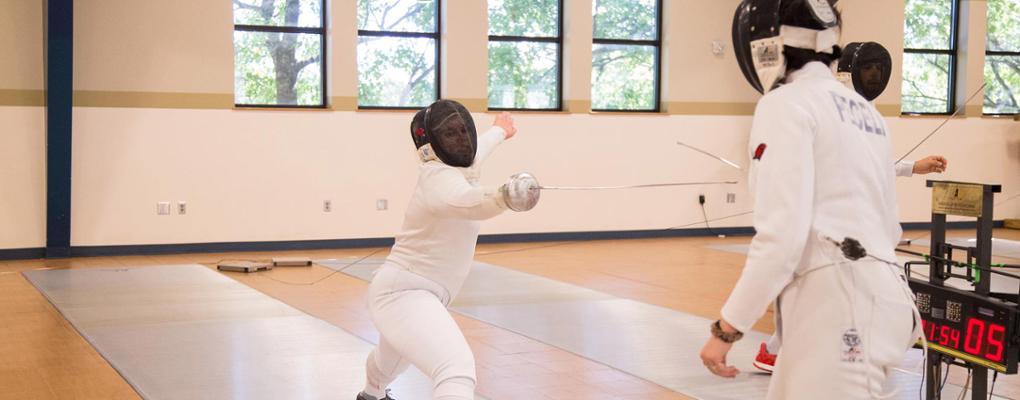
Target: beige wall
[[22, 134], [263, 175], [22, 177], [183, 46], [21, 41]]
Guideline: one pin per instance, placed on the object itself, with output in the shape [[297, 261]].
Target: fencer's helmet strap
[[425, 122], [760, 36], [426, 153], [810, 39]]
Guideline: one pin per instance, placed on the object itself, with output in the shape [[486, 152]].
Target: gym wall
[[22, 121], [154, 121]]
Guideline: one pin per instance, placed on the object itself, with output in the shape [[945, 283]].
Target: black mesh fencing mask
[[867, 66], [447, 126], [760, 36]]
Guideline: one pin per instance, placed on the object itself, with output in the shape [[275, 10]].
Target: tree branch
[[936, 65], [417, 9], [244, 6], [302, 64], [1002, 82]]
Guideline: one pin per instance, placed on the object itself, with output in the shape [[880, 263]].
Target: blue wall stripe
[[157, 249]]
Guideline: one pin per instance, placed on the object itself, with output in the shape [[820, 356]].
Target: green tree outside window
[[929, 59], [398, 48], [278, 53], [1002, 59], [625, 55], [525, 49]]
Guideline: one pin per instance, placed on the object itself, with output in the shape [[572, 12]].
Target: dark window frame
[[437, 36], [559, 60], [998, 53], [954, 56], [657, 43], [1015, 54], [321, 31]]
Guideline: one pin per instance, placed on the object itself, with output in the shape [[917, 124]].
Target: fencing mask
[[445, 130], [866, 67], [760, 33]]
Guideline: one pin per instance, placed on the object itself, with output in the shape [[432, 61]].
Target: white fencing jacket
[[444, 216], [820, 165]]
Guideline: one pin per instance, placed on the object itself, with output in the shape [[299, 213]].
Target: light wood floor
[[43, 357]]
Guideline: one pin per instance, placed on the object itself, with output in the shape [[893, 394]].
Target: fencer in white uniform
[[820, 172], [432, 256], [866, 68]]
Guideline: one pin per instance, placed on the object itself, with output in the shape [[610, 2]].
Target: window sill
[[314, 109], [931, 116], [631, 113], [553, 112], [388, 110], [1015, 117]]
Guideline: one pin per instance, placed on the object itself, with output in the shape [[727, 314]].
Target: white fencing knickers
[[821, 357], [415, 328]]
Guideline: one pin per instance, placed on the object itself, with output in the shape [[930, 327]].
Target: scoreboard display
[[968, 326]]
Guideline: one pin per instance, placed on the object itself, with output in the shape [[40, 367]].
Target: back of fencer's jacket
[[442, 221], [821, 164]]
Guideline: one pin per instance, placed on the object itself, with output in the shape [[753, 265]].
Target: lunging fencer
[[433, 251], [820, 169], [866, 68]]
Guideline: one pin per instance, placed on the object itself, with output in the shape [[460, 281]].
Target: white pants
[[415, 328], [821, 357]]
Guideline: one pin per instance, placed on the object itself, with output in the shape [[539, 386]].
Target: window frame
[[954, 58], [538, 39], [1013, 54], [996, 53], [657, 43], [436, 36], [321, 31]]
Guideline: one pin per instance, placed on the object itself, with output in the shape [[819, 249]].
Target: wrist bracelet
[[725, 336]]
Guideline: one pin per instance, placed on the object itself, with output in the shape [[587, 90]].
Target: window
[[929, 59], [279, 53], [525, 53], [626, 55], [1002, 60], [398, 53]]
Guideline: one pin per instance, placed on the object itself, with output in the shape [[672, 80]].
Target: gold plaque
[[957, 199]]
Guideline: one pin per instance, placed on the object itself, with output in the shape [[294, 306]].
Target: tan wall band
[[22, 98]]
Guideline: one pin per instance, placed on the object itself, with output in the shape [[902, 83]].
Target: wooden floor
[[43, 357]]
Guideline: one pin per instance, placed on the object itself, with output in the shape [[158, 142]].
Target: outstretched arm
[[502, 129], [451, 196]]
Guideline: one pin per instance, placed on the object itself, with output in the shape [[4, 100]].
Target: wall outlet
[[731, 197], [382, 204], [182, 207], [163, 208], [718, 48], [701, 199], [327, 206]]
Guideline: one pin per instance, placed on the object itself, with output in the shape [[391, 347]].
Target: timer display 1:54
[[982, 339]]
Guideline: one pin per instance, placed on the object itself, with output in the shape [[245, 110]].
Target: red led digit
[[995, 342], [956, 339], [931, 332], [971, 335], [944, 335]]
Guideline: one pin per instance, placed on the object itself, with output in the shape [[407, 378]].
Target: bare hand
[[506, 122], [930, 164], [713, 355]]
